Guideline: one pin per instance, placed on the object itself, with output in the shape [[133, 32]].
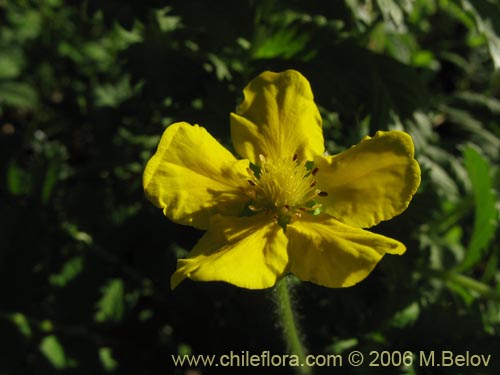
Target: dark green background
[[86, 89]]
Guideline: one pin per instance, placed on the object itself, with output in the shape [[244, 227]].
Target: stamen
[[283, 188]]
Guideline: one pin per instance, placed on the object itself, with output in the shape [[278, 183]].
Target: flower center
[[283, 187]]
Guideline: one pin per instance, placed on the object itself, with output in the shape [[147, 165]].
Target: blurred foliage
[[86, 89]]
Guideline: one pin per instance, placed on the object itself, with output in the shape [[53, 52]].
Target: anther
[[314, 171], [323, 194], [313, 184], [251, 182], [295, 157]]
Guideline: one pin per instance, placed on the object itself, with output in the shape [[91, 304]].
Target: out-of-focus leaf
[[28, 23], [18, 180], [464, 121], [444, 183], [480, 100], [221, 69], [166, 21], [21, 323], [50, 180], [486, 13], [407, 316], [11, 62], [111, 306], [112, 95], [362, 80], [122, 38], [284, 43], [340, 346], [107, 360], [486, 216], [70, 270], [77, 234], [54, 352], [391, 12], [18, 94]]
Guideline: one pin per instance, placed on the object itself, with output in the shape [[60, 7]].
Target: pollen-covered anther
[[284, 187]]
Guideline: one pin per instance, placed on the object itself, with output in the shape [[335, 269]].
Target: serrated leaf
[[167, 22], [486, 217], [111, 306], [284, 43], [112, 95]]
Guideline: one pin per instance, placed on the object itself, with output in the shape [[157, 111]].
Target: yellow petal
[[329, 253], [277, 119], [192, 176], [372, 181], [249, 252]]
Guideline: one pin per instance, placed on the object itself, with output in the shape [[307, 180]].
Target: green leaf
[[54, 352], [486, 14], [284, 43], [112, 95], [70, 270], [111, 306], [107, 360], [486, 217], [166, 22], [18, 180], [18, 94], [22, 324], [407, 316], [11, 62], [391, 12]]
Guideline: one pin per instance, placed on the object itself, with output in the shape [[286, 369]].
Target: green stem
[[289, 324], [450, 276]]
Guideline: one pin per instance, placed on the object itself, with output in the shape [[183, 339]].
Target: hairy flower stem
[[289, 324]]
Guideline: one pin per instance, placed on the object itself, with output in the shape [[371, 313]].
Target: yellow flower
[[285, 207]]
